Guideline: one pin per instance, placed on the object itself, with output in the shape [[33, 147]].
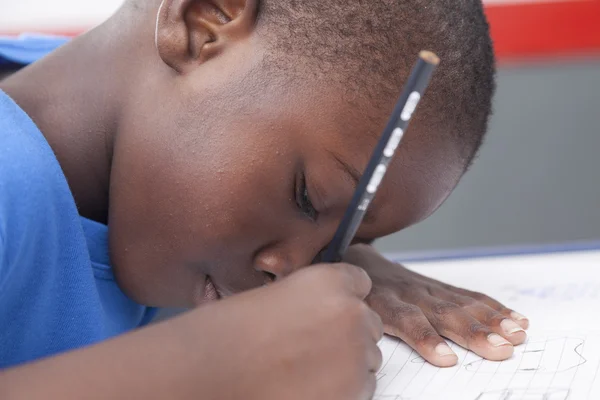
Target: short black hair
[[369, 46]]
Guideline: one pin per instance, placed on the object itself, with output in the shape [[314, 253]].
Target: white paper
[[559, 293]]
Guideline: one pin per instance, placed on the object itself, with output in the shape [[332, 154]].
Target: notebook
[[559, 293]]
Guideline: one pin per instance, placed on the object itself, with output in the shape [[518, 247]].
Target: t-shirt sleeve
[[38, 216], [2, 261], [22, 201], [3, 258], [24, 215], [21, 193]]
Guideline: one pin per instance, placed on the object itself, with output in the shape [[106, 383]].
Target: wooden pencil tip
[[430, 57]]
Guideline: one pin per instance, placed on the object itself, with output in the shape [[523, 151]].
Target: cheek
[[186, 206]]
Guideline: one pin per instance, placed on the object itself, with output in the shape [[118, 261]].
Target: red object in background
[[524, 29], [560, 28]]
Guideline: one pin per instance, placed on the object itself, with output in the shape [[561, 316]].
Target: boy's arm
[[266, 344], [420, 310], [152, 363]]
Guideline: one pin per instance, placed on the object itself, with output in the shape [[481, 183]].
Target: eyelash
[[303, 201]]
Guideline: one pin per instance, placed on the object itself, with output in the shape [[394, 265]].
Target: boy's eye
[[303, 201]]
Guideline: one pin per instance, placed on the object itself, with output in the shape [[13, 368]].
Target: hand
[[420, 310], [309, 336]]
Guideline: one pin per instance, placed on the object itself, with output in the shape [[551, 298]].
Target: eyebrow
[[354, 175]]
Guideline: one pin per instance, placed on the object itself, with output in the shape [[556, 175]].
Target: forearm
[[152, 363]]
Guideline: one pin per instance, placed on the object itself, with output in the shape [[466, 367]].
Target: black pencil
[[384, 152]]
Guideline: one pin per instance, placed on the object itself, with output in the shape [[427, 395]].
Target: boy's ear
[[190, 32]]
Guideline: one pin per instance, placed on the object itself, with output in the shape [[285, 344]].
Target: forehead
[[320, 120], [423, 173]]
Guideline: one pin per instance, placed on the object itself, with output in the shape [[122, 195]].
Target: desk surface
[[556, 287], [488, 252]]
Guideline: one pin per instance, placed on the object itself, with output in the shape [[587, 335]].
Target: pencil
[[410, 97]]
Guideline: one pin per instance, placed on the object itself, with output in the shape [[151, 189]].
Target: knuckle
[[378, 357], [481, 310], [503, 310], [376, 324], [350, 308], [361, 309], [324, 275], [309, 273], [344, 270], [477, 328], [380, 330], [351, 268], [422, 335], [362, 247], [357, 278], [468, 302], [444, 309], [494, 318], [347, 267], [406, 311]]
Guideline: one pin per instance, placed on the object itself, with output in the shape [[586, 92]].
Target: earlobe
[[190, 32]]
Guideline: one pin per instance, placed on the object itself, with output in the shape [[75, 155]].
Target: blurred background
[[536, 180]]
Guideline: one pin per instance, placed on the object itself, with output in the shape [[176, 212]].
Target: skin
[[334, 336], [172, 134]]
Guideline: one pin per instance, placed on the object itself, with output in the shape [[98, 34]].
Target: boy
[[220, 140]]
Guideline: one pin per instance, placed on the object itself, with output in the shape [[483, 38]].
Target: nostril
[[270, 277]]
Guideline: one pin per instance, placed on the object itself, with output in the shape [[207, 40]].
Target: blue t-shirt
[[28, 47], [57, 289]]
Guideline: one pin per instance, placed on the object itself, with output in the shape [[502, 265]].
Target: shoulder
[[33, 190], [28, 167]]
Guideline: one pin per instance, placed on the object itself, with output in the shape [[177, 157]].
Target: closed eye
[[303, 200]]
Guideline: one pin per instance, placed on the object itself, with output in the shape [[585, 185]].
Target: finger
[[407, 322], [451, 321], [496, 305], [374, 358], [520, 319], [357, 280], [485, 314], [375, 325], [369, 388]]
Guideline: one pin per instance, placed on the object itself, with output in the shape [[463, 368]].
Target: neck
[[76, 95]]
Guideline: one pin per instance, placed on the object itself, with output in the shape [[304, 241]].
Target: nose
[[279, 262]]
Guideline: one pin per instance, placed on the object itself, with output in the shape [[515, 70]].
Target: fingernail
[[444, 350], [516, 316], [510, 327], [497, 340]]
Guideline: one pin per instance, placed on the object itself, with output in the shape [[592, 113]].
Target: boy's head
[[247, 122]]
